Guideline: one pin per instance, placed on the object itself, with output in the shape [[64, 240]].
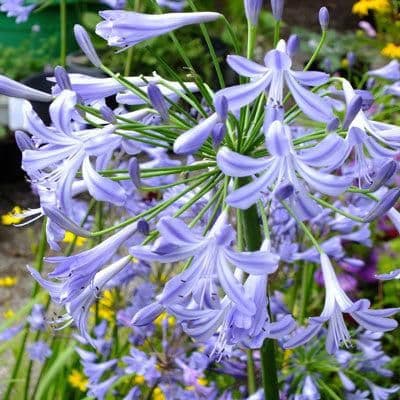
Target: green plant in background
[[34, 59]]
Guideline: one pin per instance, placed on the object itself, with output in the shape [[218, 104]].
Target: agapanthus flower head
[[39, 351]]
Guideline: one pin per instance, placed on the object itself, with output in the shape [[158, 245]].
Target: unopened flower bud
[[134, 172], [221, 107], [333, 125], [272, 113], [62, 78], [107, 114], [24, 142], [367, 99], [323, 17], [252, 9], [388, 200], [157, 100], [86, 45], [218, 134], [383, 174], [60, 219], [283, 191], [353, 109], [351, 59], [147, 315], [293, 45], [277, 8], [143, 227]]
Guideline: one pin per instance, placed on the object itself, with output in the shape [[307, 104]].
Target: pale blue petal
[[303, 335], [245, 67], [177, 232], [240, 95], [254, 263], [314, 106], [331, 151], [238, 165], [191, 141], [325, 183], [310, 78], [102, 188], [233, 289], [247, 195], [62, 109]]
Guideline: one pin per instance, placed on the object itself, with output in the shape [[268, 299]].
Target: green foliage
[[20, 62]]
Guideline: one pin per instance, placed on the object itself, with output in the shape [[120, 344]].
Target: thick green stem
[[63, 32], [251, 376], [253, 239]]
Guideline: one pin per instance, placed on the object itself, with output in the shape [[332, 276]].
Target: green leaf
[[55, 368]]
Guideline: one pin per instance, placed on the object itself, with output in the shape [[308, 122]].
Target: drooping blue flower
[[390, 71], [39, 351], [213, 262], [337, 303], [16, 8], [381, 393], [78, 290], [271, 77], [386, 133], [140, 363], [36, 319], [61, 151], [128, 28], [9, 333], [283, 165], [100, 390], [95, 370], [173, 5]]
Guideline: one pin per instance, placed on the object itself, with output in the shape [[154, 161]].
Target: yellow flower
[[70, 237], [202, 381], [159, 320], [139, 380], [344, 63], [8, 281], [106, 306], [391, 51], [362, 7], [77, 380], [12, 217], [8, 314], [158, 394]]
